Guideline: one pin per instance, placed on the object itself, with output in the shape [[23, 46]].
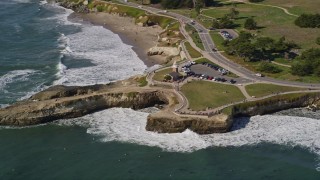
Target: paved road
[[216, 57]]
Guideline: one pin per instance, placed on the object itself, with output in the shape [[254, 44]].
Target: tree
[[198, 8], [254, 1], [268, 68], [264, 45], [301, 69], [250, 24], [246, 51], [215, 24], [233, 13], [206, 3], [318, 40], [226, 22], [308, 63], [308, 21]]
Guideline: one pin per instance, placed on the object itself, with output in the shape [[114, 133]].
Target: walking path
[[280, 64], [220, 60], [284, 9]]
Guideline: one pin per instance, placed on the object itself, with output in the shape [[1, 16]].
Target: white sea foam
[[43, 2], [21, 1], [127, 125], [4, 105], [113, 60], [15, 76]]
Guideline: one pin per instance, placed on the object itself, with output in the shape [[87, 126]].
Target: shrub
[[268, 68], [250, 24], [308, 21], [100, 8], [254, 1], [318, 40]]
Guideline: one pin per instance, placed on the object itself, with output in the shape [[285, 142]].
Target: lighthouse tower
[[175, 67]]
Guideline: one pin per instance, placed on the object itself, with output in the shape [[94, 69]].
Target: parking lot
[[210, 72]]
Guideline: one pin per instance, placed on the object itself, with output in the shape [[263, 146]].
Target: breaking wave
[[127, 125], [15, 76]]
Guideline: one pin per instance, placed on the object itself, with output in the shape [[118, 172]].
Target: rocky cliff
[[168, 123], [69, 102], [61, 102], [274, 104]]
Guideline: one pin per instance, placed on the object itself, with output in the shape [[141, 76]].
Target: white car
[[259, 75]]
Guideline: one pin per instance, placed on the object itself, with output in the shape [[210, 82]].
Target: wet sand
[[140, 38]]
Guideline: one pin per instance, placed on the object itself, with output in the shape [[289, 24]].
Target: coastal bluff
[[63, 102]]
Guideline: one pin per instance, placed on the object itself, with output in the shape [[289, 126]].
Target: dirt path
[[280, 64], [284, 9]]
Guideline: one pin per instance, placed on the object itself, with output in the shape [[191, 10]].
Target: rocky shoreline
[[62, 102]]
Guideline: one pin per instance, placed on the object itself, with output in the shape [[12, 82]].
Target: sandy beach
[[140, 38]]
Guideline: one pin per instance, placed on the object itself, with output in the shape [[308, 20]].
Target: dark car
[[232, 81], [223, 80]]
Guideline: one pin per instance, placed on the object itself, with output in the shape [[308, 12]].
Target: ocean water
[[41, 47]]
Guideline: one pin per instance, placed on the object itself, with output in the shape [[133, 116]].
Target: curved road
[[216, 57]]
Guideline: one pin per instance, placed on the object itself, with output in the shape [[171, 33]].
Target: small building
[[175, 75]]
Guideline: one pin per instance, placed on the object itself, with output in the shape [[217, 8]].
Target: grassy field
[[218, 40], [142, 81], [296, 6], [260, 90], [195, 36], [201, 94], [285, 74], [159, 76], [192, 52], [207, 22], [272, 22]]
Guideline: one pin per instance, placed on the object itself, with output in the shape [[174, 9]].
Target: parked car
[[259, 75], [232, 81], [223, 80]]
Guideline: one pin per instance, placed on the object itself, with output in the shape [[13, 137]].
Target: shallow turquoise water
[[55, 152]]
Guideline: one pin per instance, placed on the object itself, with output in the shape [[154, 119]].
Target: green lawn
[[260, 90], [142, 81], [195, 36], [218, 40], [202, 94], [296, 6], [192, 52], [273, 22], [285, 74], [284, 61], [159, 76]]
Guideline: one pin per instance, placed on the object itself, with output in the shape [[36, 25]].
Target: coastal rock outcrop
[[166, 51], [275, 104], [166, 122], [64, 102]]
